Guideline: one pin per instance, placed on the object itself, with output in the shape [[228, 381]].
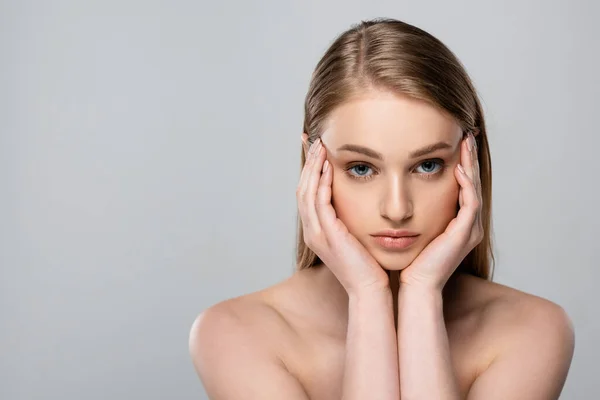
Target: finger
[[325, 210], [312, 183], [477, 170], [466, 157], [472, 167], [305, 145], [308, 158], [463, 161], [467, 213], [477, 180], [303, 189]]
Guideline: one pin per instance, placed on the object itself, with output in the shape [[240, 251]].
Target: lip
[[395, 233], [395, 243]]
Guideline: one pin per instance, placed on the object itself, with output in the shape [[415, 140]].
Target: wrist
[[370, 291], [421, 291], [420, 285]]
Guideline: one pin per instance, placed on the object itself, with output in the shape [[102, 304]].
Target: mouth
[[395, 233], [395, 242]]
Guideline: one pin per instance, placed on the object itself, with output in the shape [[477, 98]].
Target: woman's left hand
[[437, 262]]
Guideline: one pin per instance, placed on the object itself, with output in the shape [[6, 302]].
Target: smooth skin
[[328, 332], [371, 361]]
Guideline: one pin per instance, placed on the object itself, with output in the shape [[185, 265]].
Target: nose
[[396, 204]]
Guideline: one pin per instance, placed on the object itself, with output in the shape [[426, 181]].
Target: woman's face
[[392, 187]]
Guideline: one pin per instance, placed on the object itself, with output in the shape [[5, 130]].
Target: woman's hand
[[437, 262], [326, 235]]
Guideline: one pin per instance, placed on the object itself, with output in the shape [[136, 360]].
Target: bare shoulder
[[238, 321], [232, 341], [513, 312], [532, 341]]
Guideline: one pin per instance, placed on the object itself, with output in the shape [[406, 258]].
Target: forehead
[[389, 123]]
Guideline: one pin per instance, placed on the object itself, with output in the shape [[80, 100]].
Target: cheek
[[436, 204], [440, 206], [350, 204]]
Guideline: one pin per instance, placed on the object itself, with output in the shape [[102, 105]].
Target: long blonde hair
[[395, 56]]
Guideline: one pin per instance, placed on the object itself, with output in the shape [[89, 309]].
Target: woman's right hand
[[326, 235]]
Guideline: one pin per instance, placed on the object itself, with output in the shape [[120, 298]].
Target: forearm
[[426, 370], [371, 365]]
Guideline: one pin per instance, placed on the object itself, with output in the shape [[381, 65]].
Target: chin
[[394, 261], [393, 267]]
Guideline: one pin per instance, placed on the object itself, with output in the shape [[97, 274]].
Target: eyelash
[[425, 175]]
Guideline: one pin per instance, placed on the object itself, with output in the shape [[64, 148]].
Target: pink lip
[[389, 242], [395, 233]]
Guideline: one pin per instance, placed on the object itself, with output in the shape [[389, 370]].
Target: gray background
[[149, 155]]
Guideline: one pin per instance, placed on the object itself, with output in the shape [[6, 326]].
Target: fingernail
[[325, 165], [460, 168]]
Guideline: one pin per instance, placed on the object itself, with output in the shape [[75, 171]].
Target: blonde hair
[[387, 54]]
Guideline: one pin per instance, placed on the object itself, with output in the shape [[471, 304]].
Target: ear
[[305, 144]]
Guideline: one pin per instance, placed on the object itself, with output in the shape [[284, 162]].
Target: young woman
[[392, 297]]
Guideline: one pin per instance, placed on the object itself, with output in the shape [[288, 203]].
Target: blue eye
[[429, 165], [429, 168], [361, 171]]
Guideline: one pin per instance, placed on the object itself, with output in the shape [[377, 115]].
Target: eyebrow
[[378, 156]]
